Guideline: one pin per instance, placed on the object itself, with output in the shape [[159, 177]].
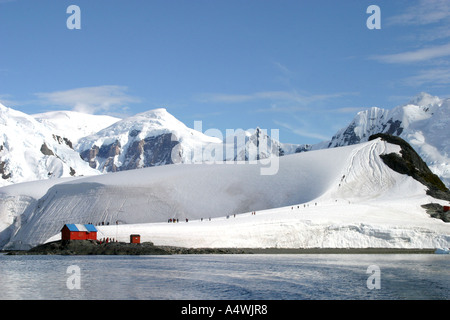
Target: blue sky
[[301, 66]]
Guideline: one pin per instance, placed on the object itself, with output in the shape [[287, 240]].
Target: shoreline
[[89, 247]]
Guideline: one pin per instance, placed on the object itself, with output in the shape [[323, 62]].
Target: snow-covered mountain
[[147, 139], [336, 198], [252, 145], [30, 150], [74, 125], [156, 138], [424, 122], [108, 144]]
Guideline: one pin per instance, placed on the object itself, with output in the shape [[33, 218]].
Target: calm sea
[[223, 277]]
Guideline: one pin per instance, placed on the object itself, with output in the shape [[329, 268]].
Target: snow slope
[[340, 197], [423, 122]]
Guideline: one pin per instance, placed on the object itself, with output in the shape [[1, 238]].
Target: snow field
[[360, 203], [325, 225]]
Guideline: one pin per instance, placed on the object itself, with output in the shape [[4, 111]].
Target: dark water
[[237, 277]]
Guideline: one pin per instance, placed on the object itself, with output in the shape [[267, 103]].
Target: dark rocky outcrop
[[89, 156], [3, 171], [63, 140], [411, 163], [107, 152], [91, 247], [46, 151], [303, 148], [138, 153], [395, 127], [348, 137], [435, 210], [150, 151]]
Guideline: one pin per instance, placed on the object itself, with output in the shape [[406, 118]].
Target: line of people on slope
[[175, 220]]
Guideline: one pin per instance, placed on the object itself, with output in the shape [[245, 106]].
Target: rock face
[[46, 151], [5, 175], [139, 153], [435, 210], [151, 151]]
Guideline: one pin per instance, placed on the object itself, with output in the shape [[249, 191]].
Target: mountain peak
[[155, 117], [154, 113], [424, 99]]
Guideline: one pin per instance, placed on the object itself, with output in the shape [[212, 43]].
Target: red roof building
[[78, 232]]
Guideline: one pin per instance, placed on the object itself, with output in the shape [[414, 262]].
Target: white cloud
[[301, 131], [6, 100], [437, 76], [351, 110], [422, 12], [425, 22], [89, 99], [283, 108], [423, 54], [281, 67], [432, 34], [286, 96]]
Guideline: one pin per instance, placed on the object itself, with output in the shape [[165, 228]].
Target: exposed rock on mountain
[[411, 164], [147, 139], [156, 138]]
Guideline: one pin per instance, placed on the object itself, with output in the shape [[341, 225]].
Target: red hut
[[135, 238], [72, 231], [446, 208]]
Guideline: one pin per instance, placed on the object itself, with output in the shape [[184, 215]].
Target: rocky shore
[[91, 247]]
